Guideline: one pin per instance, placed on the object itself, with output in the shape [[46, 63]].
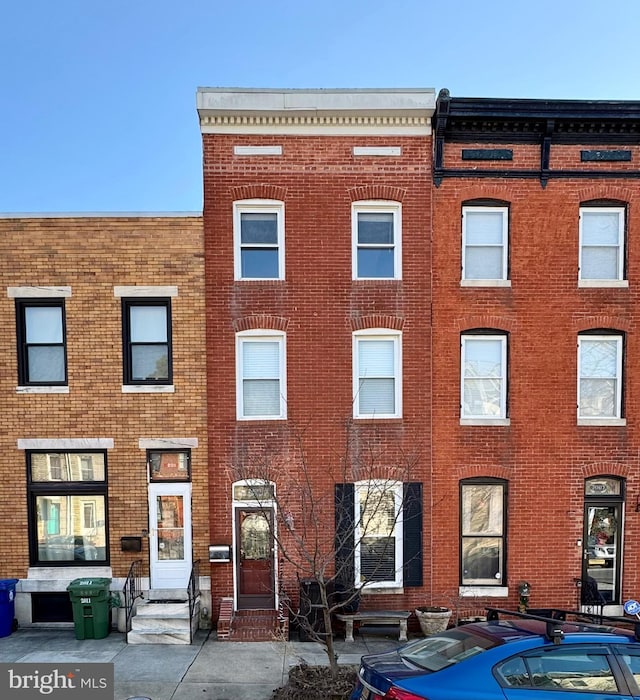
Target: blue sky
[[97, 97]]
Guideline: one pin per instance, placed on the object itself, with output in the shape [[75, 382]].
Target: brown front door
[[255, 558]]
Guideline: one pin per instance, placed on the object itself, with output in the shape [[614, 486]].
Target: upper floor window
[[599, 377], [147, 341], [377, 380], [484, 243], [42, 353], [601, 243], [259, 239], [376, 235], [483, 530], [484, 376], [261, 375]]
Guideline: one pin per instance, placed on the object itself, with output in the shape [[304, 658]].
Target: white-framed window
[[484, 376], [376, 240], [258, 232], [485, 234], [482, 518], [377, 374], [378, 537], [599, 377], [261, 375], [601, 243]]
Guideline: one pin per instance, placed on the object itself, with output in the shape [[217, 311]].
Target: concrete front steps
[[163, 621]]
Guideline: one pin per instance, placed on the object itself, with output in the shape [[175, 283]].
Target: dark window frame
[[23, 346], [152, 456], [39, 489], [485, 481], [128, 345]]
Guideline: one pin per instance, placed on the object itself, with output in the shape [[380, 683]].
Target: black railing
[[132, 590], [193, 591]]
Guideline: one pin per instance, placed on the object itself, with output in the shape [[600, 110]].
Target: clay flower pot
[[433, 619]]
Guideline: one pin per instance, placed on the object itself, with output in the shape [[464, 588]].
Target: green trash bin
[[91, 602]]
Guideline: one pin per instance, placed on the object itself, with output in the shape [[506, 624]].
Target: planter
[[433, 619]]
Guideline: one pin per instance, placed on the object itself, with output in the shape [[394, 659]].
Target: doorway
[[170, 555], [255, 558], [601, 571]]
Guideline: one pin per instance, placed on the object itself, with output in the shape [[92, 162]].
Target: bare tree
[[317, 530]]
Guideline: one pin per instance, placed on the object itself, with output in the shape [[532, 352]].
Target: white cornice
[[316, 112]]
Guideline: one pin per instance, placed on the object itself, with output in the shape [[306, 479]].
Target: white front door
[[170, 555]]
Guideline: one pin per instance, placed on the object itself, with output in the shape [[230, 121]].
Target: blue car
[[512, 656]]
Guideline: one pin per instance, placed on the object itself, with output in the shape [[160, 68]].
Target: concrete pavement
[[207, 669]]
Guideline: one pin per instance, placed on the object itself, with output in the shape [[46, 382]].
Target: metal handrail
[[132, 590], [193, 592]]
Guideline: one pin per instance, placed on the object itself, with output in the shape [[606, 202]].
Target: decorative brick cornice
[[258, 190], [503, 323], [395, 194], [260, 321], [587, 323], [377, 321]]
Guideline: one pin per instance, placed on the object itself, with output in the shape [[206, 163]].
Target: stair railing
[[132, 590], [193, 592]]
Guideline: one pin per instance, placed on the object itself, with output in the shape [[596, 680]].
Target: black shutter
[[345, 534], [412, 534]]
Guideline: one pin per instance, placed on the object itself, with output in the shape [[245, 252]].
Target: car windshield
[[441, 650]]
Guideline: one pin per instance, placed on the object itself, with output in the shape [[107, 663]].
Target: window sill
[[42, 390], [485, 283], [485, 421], [372, 589], [259, 419], [148, 388], [483, 591], [615, 422], [613, 284]]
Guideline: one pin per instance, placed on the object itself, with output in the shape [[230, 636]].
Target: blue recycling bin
[[7, 605]]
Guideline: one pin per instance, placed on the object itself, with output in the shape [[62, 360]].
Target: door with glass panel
[[170, 555], [255, 562]]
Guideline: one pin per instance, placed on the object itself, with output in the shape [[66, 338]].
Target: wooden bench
[[379, 617]]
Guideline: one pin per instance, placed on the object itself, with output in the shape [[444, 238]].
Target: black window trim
[[127, 365]]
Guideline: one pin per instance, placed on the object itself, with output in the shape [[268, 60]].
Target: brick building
[[104, 418]]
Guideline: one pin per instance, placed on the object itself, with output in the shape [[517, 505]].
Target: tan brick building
[[103, 426]]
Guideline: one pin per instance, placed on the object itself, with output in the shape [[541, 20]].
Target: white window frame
[[361, 487], [617, 419], [489, 281], [377, 207], [253, 336], [257, 206], [374, 334], [481, 419], [619, 280]]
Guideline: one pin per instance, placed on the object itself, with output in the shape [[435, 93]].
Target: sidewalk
[[207, 669]]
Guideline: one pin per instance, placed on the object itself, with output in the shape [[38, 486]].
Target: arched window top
[[603, 202], [485, 202]]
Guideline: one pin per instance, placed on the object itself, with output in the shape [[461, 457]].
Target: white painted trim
[[381, 207], [257, 150], [258, 206], [377, 150], [485, 283], [372, 334], [504, 244], [38, 292], [42, 390], [148, 389], [145, 291], [167, 443], [614, 422], [65, 443], [408, 127], [485, 421], [483, 591]]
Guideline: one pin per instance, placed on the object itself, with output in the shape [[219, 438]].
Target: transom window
[[378, 555], [484, 376], [259, 239], [67, 508], [261, 376], [376, 240], [41, 342], [377, 379], [482, 505], [484, 243], [147, 341], [601, 243], [599, 376]]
